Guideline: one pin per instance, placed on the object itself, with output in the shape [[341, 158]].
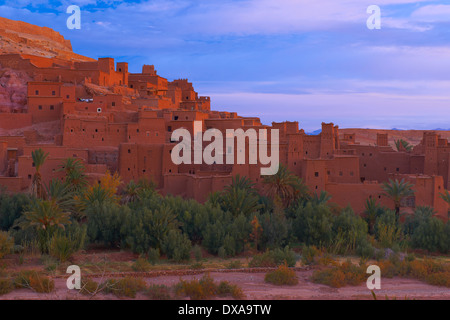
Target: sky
[[310, 61]]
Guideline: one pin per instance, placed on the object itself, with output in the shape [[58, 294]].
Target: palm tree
[[321, 198], [61, 193], [38, 157], [446, 197], [74, 173], [47, 217], [240, 197], [131, 192], [397, 191], [284, 187], [403, 145]]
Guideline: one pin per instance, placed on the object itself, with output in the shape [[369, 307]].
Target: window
[[113, 104], [37, 92], [40, 107], [52, 107], [96, 130], [29, 176], [67, 96], [365, 165], [341, 173], [351, 173], [397, 169], [316, 174], [175, 118], [169, 128], [53, 93], [129, 150]]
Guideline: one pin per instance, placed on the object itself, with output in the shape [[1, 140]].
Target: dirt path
[[255, 288]]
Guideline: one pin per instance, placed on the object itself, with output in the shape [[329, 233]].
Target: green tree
[[446, 197], [371, 212]]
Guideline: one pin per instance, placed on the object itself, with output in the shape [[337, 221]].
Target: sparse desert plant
[[158, 292], [90, 287], [282, 276], [62, 247], [34, 280], [235, 264], [125, 287]]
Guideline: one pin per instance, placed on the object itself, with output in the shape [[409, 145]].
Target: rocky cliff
[[24, 38]]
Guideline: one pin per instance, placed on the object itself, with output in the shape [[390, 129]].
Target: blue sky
[[303, 60]]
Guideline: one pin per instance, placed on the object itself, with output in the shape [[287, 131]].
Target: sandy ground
[[255, 288]]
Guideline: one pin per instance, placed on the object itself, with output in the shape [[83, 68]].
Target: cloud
[[432, 13]]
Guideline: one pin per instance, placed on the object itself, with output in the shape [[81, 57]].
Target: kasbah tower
[[113, 120]]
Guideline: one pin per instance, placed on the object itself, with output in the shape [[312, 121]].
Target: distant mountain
[[314, 133]]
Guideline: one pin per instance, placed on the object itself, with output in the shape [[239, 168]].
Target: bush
[[235, 264], [141, 265], [431, 235], [11, 208], [206, 288], [309, 254], [282, 276], [125, 287], [6, 244], [274, 258], [197, 250], [158, 292], [89, 287], [349, 230], [62, 247], [153, 255], [226, 289], [32, 279], [177, 246], [313, 224], [6, 286], [342, 275]]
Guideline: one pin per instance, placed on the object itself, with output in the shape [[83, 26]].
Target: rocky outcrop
[[24, 38]]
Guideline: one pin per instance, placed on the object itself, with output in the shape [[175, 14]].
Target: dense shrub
[[282, 276], [6, 286], [274, 258], [313, 224], [11, 208], [431, 234], [349, 230], [104, 223], [276, 230], [64, 245], [6, 243], [177, 246], [387, 231], [141, 265]]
